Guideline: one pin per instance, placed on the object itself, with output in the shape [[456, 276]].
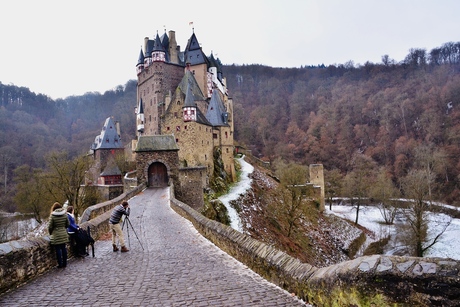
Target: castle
[[184, 121], [183, 106]]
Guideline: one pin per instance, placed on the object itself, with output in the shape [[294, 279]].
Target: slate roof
[[216, 110], [156, 143], [193, 53], [158, 46], [111, 170], [109, 138], [189, 80], [140, 61], [192, 92], [140, 109]]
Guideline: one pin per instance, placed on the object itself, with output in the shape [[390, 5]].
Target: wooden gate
[[158, 175]]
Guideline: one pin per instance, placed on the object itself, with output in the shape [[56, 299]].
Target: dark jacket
[[57, 227]]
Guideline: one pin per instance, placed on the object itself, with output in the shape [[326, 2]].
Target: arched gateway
[[157, 160], [157, 175]]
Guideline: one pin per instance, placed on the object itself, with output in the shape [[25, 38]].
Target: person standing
[[73, 229], [114, 223], [57, 228]]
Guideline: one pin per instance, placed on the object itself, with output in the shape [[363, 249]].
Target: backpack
[[85, 239]]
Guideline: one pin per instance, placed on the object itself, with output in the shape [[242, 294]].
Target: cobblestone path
[[169, 264]]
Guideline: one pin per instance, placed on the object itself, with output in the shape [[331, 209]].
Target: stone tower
[[317, 178]]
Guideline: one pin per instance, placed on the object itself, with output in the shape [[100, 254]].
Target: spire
[[140, 62], [140, 109], [158, 52], [189, 109], [140, 117]]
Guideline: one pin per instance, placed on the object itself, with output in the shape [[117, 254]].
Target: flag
[[190, 23]]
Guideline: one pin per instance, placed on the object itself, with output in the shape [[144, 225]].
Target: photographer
[[115, 227]]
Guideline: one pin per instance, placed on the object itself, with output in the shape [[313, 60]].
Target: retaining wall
[[366, 281]]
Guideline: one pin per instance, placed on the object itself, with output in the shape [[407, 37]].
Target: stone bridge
[[171, 263]]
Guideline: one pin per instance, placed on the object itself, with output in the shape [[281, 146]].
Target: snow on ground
[[235, 191], [371, 218]]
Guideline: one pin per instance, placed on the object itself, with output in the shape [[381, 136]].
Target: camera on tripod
[[126, 218]]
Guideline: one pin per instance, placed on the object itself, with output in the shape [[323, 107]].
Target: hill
[[326, 115]]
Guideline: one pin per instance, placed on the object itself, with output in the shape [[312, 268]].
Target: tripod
[[127, 229]]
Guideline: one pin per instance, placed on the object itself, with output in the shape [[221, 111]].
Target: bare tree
[[383, 192], [416, 186], [333, 184], [432, 161], [288, 200], [358, 181], [32, 196], [66, 178]]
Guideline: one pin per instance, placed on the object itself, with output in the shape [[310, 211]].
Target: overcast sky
[[61, 48]]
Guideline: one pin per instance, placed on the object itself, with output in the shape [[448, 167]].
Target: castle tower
[[317, 178]]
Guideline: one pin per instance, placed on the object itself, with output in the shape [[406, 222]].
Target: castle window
[[193, 72], [205, 157], [150, 118], [178, 102], [227, 150], [226, 134], [185, 127], [177, 140], [150, 102], [175, 114], [167, 128], [214, 135], [193, 112]]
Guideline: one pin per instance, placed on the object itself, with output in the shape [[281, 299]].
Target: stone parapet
[[99, 209], [366, 281], [23, 260]]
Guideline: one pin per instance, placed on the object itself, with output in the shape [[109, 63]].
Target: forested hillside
[[388, 112], [33, 125]]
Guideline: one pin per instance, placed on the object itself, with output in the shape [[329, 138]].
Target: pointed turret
[[140, 62], [158, 52], [140, 117], [189, 109]]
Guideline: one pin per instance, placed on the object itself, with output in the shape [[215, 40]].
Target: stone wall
[[366, 281], [192, 181]]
